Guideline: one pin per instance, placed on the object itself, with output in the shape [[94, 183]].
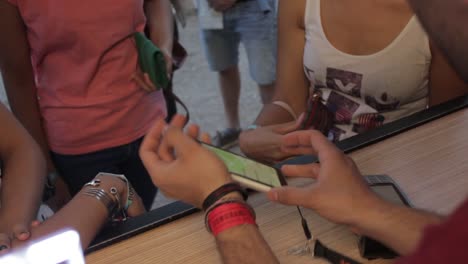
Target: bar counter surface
[[429, 162]]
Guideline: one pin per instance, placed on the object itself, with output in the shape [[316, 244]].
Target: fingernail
[[3, 247], [23, 235]]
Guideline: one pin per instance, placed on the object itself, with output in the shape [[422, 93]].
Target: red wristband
[[229, 215]]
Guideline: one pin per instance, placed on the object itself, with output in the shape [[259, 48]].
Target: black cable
[[305, 226]]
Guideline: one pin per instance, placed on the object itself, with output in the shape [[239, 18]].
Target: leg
[[222, 52], [229, 81], [259, 35], [262, 64]]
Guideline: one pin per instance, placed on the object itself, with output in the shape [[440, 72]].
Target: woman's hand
[[19, 232], [264, 143], [179, 165]]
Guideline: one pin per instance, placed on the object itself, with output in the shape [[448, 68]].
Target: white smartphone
[[60, 248], [247, 172]]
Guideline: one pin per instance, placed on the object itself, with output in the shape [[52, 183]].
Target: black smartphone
[[388, 189], [247, 172]]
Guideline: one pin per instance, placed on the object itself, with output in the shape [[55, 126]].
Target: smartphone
[[247, 172], [388, 189]]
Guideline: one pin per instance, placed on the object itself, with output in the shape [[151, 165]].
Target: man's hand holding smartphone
[[339, 193], [179, 165]]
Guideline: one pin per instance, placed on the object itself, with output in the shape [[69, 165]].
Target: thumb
[[21, 232], [290, 195]]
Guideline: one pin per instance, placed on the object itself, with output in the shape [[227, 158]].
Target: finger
[[4, 243], [21, 232], [193, 131], [148, 81], [318, 144], [286, 128], [136, 77], [182, 144], [298, 150], [166, 152], [151, 142], [205, 138], [178, 121], [292, 195], [35, 223], [305, 171]]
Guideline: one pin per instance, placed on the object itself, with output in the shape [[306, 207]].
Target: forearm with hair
[[400, 228], [244, 244], [446, 21]]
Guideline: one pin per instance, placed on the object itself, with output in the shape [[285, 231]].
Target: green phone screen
[[247, 168]]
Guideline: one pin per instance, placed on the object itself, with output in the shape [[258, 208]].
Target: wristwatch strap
[[321, 251]]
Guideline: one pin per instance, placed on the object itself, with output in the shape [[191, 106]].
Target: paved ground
[[198, 87]]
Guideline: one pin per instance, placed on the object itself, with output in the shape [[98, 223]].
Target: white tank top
[[366, 91]]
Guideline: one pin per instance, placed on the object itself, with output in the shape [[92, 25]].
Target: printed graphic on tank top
[[365, 92]]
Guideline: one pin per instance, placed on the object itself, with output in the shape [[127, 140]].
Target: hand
[[264, 143], [339, 194], [144, 81], [18, 232], [179, 166], [169, 62], [221, 5]]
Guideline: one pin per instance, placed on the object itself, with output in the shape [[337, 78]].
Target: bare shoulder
[[400, 6], [293, 11]]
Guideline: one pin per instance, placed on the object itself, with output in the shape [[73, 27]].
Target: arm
[[291, 84], [161, 27], [18, 77], [356, 205], [179, 176], [400, 228], [244, 244], [23, 177], [291, 87], [445, 22], [86, 222], [444, 82]]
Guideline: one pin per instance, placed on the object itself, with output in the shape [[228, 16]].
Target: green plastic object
[[151, 61]]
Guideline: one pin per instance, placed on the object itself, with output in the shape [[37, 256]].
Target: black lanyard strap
[[321, 251]]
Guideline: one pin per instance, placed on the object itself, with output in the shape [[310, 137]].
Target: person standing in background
[[252, 22], [71, 74]]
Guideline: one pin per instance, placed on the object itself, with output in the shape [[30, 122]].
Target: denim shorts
[[245, 22]]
